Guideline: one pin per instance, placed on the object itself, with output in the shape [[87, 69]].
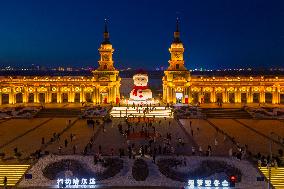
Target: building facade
[[180, 87], [102, 87]]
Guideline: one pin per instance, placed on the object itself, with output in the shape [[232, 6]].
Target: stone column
[[212, 95], [82, 96], [261, 96], [25, 95], [249, 96], [275, 95], [174, 100], [224, 96], [238, 96], [59, 96], [36, 99]]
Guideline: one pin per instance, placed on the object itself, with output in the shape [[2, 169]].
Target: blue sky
[[216, 34]]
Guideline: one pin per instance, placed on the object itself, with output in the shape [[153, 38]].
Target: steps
[[59, 112], [158, 112], [13, 173], [226, 113], [277, 176]]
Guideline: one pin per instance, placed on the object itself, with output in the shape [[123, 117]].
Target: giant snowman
[[140, 93]]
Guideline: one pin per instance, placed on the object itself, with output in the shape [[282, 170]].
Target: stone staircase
[[59, 112], [13, 173], [226, 113], [277, 176], [158, 112]]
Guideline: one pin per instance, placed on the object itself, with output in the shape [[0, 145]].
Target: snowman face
[[140, 79]]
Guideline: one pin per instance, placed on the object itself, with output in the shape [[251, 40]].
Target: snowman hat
[[141, 71]]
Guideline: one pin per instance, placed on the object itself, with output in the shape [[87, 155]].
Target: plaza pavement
[[26, 135], [245, 136], [82, 133], [31, 141], [9, 129], [257, 136], [204, 134], [111, 138]]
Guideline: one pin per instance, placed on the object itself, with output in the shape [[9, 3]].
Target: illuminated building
[[180, 87], [102, 87]]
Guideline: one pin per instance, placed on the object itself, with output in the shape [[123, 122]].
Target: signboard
[[76, 183], [208, 183]]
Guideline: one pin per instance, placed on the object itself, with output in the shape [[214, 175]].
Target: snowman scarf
[[136, 88]]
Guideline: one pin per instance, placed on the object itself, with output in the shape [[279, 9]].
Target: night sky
[[216, 33]]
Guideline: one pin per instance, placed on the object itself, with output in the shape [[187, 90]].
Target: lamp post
[[270, 159]]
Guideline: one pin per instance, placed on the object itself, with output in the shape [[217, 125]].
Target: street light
[[270, 159]]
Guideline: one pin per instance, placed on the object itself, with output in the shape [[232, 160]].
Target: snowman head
[[140, 79]]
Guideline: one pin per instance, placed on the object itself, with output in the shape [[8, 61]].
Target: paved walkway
[[30, 141], [245, 136], [205, 134], [111, 138]]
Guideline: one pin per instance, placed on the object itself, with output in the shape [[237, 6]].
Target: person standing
[[193, 150], [42, 140], [5, 181], [65, 143], [74, 149], [59, 149], [71, 137]]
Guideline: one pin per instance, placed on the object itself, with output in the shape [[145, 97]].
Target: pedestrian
[[112, 151], [216, 142], [65, 143], [120, 153], [154, 158], [5, 181], [184, 161], [100, 149], [74, 149], [230, 152], [193, 150], [200, 150], [42, 140], [59, 149]]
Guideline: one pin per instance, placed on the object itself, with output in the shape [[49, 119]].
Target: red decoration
[[136, 88]]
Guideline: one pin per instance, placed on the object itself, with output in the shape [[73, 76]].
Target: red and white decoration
[[140, 93]]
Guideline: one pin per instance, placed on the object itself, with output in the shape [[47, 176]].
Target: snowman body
[[140, 91]]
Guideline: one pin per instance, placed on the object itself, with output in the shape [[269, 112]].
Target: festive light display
[[76, 183], [208, 183], [140, 93]]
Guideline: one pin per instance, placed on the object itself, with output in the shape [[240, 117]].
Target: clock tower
[[176, 50], [106, 51], [176, 82], [108, 90]]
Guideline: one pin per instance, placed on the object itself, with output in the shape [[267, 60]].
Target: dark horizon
[[216, 35]]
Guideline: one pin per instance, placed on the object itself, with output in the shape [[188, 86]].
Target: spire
[[176, 33], [106, 34], [177, 26]]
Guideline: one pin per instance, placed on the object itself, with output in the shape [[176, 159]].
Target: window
[[177, 66], [105, 66]]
